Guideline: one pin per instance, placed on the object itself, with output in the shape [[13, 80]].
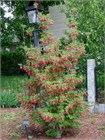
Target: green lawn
[[12, 83]]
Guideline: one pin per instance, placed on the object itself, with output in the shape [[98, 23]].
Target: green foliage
[[52, 133], [8, 100], [90, 18], [11, 27], [10, 62], [12, 84], [48, 3]]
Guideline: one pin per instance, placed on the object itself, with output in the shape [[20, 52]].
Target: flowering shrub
[[53, 101]]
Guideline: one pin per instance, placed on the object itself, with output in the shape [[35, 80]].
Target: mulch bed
[[92, 128]]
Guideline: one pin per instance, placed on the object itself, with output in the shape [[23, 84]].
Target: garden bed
[[92, 128]]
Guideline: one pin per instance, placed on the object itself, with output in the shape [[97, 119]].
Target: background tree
[[91, 26], [17, 26], [12, 26], [19, 23]]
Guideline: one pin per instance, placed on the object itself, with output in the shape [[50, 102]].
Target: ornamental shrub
[[52, 99]]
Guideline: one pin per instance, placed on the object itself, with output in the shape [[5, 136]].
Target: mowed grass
[[12, 84]]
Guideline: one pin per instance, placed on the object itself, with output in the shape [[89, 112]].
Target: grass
[[11, 84]]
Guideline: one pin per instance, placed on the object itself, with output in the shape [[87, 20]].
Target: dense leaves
[[18, 24], [90, 20], [10, 62]]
